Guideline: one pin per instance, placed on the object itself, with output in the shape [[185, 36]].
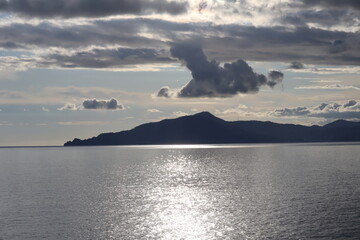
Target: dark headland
[[205, 128]]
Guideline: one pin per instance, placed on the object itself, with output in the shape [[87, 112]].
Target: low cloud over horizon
[[348, 110]]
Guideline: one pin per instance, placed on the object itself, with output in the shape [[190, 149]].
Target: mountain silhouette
[[205, 128]]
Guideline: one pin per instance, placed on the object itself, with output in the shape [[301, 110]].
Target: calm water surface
[[283, 191]]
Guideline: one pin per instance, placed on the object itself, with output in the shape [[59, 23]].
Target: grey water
[[269, 191]]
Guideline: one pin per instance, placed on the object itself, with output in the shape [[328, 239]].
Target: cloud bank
[[349, 110], [143, 40], [212, 80], [91, 8]]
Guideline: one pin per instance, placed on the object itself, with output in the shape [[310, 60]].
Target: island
[[205, 128]]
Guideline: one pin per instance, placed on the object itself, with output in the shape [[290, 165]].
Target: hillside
[[205, 128]]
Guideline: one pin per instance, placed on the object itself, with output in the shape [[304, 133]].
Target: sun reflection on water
[[182, 209]]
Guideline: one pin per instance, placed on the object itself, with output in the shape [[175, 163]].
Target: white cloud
[[328, 87], [69, 106], [180, 114], [347, 110], [5, 123], [82, 123], [153, 110]]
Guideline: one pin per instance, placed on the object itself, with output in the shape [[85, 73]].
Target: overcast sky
[[77, 68]]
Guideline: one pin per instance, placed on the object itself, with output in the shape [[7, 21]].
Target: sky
[[78, 68]]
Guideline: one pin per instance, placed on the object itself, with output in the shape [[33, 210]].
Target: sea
[[250, 191]]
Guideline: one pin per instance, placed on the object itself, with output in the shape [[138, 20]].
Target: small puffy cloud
[[351, 103], [296, 65], [274, 77], [348, 110], [95, 104], [180, 114], [166, 92], [153, 110], [68, 106], [212, 80]]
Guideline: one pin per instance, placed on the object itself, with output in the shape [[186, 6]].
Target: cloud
[[321, 17], [91, 8], [351, 103], [82, 123], [5, 123], [80, 44], [202, 6], [328, 87], [166, 92], [154, 111], [288, 112], [333, 3], [345, 45], [94, 104], [180, 114], [212, 80], [243, 112], [296, 65], [68, 106], [348, 110], [106, 58], [274, 77]]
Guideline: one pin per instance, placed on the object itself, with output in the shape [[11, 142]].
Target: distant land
[[205, 128]]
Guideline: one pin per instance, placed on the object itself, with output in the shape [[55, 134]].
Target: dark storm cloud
[[90, 8], [349, 110], [98, 33], [212, 80], [95, 104], [106, 58], [311, 45], [125, 32], [296, 65], [222, 42]]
